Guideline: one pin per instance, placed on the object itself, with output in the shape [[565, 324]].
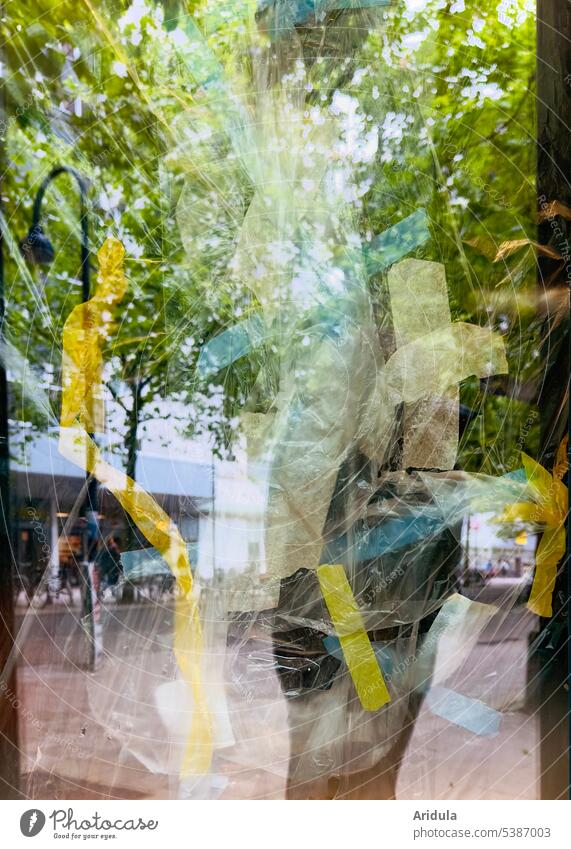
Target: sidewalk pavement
[[69, 752]]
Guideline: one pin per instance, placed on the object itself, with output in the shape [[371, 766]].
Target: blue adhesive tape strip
[[471, 714], [425, 522], [230, 345], [148, 562], [386, 249], [288, 14], [383, 654], [392, 535], [397, 242]]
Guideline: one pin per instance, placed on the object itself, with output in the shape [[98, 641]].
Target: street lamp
[[38, 250]]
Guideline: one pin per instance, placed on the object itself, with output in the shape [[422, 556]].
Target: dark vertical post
[[9, 751], [553, 184], [38, 249]]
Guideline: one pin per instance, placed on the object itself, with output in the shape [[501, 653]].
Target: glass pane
[[283, 300]]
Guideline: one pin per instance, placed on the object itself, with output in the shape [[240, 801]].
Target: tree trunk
[[131, 438], [131, 442]]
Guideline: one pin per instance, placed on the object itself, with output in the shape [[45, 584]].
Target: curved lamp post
[[37, 247], [38, 250]]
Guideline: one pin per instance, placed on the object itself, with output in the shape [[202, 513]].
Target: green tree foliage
[[106, 88]]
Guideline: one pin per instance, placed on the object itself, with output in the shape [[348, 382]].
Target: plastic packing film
[[117, 697], [322, 323], [285, 15], [82, 414], [342, 648]]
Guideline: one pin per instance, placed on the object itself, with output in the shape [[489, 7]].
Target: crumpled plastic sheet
[[328, 465]]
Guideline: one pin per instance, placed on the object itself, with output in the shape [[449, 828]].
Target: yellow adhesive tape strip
[[87, 325], [552, 503], [86, 328], [434, 362], [431, 425], [549, 508], [433, 355], [355, 644], [550, 552]]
